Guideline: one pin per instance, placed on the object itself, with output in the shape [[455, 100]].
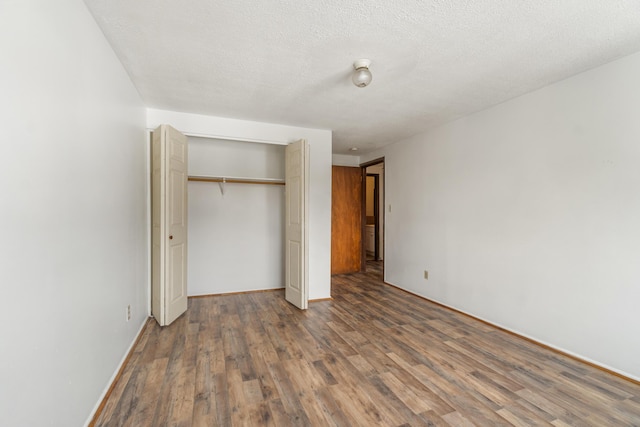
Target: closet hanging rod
[[223, 179]]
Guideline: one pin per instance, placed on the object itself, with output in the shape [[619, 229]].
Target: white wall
[[527, 214], [73, 194], [236, 231], [320, 175], [345, 160]]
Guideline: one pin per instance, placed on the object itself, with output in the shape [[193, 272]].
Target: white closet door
[[296, 219], [169, 218]]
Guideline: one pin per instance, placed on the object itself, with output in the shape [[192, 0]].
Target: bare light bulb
[[361, 75]]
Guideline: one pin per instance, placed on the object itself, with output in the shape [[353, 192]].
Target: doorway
[[372, 252]]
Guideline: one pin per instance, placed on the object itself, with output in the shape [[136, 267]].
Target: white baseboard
[[542, 343], [115, 373]]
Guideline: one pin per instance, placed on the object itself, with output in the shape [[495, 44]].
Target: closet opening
[[250, 231], [236, 222]]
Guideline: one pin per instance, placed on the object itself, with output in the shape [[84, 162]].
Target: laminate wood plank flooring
[[373, 355]]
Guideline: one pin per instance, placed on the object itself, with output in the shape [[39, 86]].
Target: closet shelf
[[236, 180]]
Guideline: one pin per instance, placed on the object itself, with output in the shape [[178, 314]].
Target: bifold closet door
[[296, 224], [169, 224]]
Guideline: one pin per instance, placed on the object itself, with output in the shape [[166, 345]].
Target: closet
[[241, 235], [236, 216]]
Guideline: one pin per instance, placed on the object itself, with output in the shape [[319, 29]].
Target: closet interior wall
[[236, 231]]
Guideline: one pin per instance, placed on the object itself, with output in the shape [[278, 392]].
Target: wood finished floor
[[372, 356]]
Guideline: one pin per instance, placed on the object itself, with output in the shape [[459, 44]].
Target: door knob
[[170, 237]]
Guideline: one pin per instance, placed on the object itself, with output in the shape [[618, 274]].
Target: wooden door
[[346, 220], [296, 220], [169, 223]]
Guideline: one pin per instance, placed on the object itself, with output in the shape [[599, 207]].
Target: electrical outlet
[[426, 275], [128, 312]]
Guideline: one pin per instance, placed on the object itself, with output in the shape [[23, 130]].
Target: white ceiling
[[290, 61]]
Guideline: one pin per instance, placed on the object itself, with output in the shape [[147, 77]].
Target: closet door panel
[[296, 208], [169, 284]]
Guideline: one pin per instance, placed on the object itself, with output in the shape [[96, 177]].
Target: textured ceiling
[[290, 61]]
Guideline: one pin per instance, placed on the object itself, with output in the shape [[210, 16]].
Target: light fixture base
[[361, 63]]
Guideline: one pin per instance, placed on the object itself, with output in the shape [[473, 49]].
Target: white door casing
[[169, 224], [296, 224]]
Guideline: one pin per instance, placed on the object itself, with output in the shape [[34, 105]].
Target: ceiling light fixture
[[361, 74]]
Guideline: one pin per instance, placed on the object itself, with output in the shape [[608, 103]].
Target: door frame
[[380, 215], [376, 214]]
